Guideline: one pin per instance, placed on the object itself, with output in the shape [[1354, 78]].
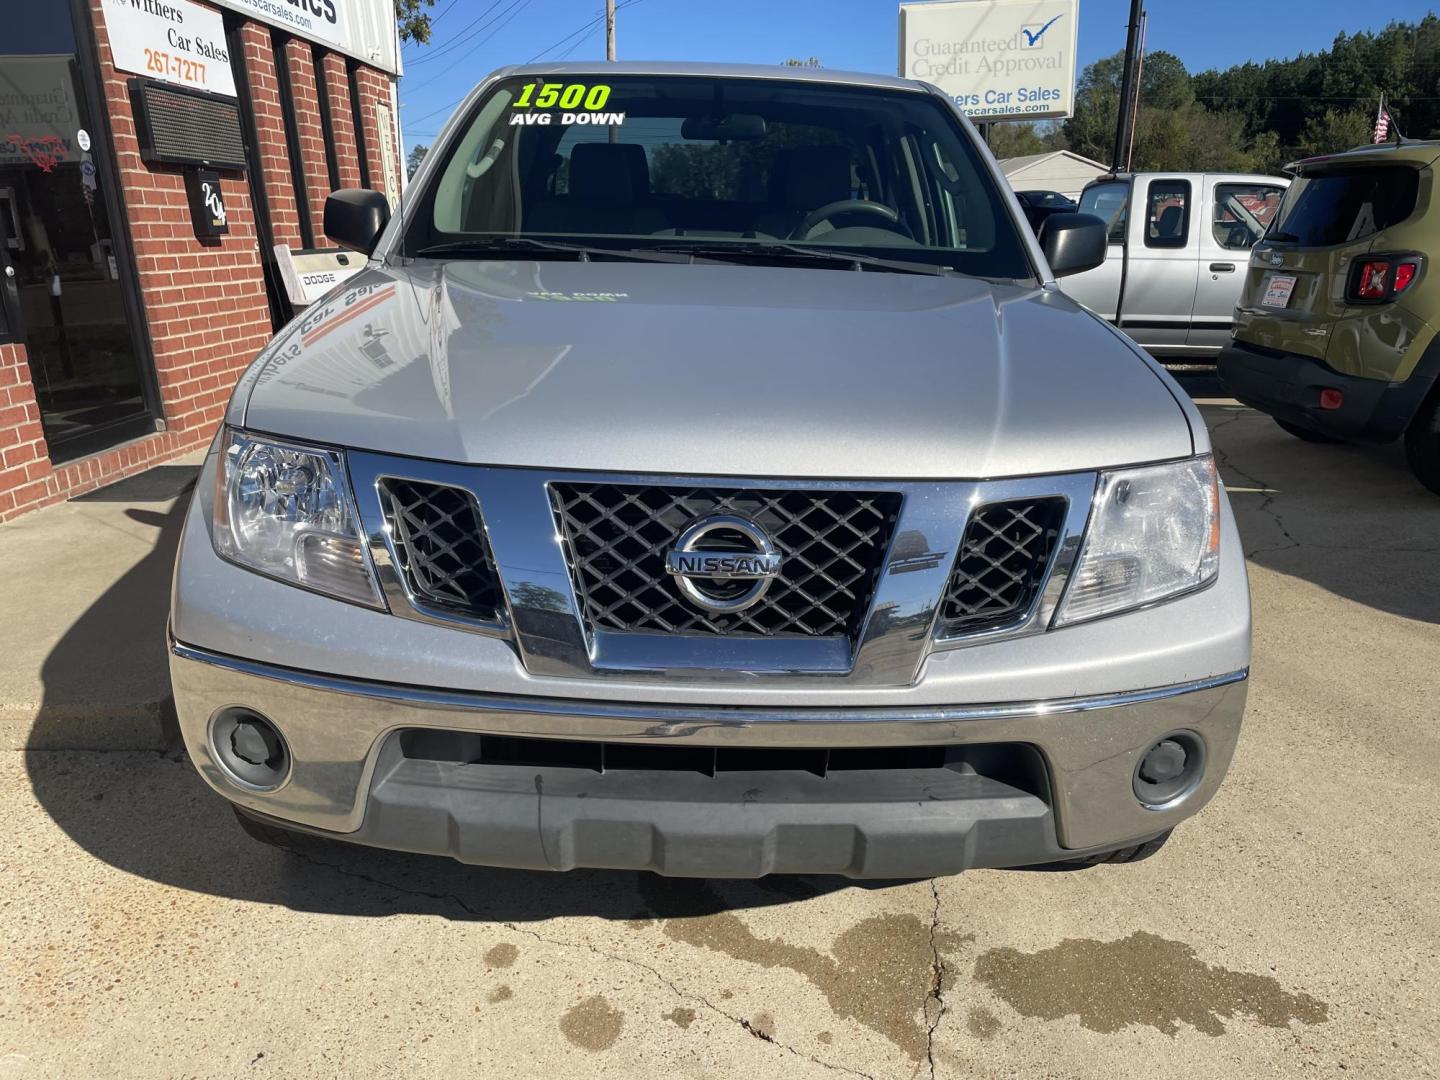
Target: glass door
[[73, 316]]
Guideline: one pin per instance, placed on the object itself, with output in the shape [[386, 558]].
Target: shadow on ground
[[150, 814], [1350, 519]]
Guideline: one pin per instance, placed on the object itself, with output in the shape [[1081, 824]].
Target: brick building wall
[[205, 305]]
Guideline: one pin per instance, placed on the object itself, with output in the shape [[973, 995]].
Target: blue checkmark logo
[[1033, 39]]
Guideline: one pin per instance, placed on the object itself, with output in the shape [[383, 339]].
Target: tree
[[413, 20], [417, 155], [1016, 140]]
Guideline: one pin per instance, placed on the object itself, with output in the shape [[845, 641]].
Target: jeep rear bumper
[[1288, 387], [706, 791]]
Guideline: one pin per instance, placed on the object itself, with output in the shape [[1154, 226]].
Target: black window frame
[[278, 46], [327, 127], [1187, 207]]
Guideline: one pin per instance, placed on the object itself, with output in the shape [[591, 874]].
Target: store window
[[60, 213]]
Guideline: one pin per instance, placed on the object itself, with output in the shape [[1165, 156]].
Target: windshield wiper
[[795, 254], [500, 247]]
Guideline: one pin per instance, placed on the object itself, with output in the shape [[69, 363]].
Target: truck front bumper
[[706, 790]]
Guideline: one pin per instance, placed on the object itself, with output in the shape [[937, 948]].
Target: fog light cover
[[285, 511], [1154, 533]]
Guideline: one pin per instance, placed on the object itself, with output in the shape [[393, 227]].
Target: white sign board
[[318, 20], [364, 29], [174, 41], [999, 59]]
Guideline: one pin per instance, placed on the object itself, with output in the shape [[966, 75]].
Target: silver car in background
[[706, 475], [1179, 244]]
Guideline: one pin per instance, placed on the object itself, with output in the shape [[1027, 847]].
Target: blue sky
[[472, 37]]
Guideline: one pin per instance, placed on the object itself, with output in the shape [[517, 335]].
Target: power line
[[509, 14], [588, 26], [465, 33]]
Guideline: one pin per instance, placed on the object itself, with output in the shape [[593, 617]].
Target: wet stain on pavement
[[681, 1017], [593, 1025], [982, 1023], [879, 972], [502, 955], [824, 1037], [1141, 979], [499, 994]]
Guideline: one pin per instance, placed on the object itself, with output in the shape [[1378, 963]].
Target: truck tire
[[1305, 433], [1422, 443]]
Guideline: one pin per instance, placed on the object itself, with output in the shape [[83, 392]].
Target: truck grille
[[1001, 566], [833, 543], [440, 547]]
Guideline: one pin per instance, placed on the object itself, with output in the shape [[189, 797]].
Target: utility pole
[[1127, 87], [1139, 81], [610, 30]]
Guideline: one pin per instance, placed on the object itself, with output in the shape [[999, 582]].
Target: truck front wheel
[[1422, 443]]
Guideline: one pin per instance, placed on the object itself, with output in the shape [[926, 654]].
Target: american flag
[[1382, 124]]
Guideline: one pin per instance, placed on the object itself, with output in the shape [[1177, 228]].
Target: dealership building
[[159, 161]]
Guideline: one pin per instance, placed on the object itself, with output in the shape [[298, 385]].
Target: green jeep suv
[[1335, 333]]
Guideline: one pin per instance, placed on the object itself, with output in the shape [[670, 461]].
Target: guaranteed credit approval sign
[[999, 59]]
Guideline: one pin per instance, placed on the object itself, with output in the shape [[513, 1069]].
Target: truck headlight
[[285, 511], [1154, 533]]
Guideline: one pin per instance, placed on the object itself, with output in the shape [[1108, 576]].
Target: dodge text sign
[[173, 40], [999, 59]]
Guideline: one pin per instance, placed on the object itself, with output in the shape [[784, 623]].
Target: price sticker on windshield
[[1278, 290], [539, 103]]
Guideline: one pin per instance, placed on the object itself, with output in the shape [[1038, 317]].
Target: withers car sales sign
[[171, 40], [999, 59]]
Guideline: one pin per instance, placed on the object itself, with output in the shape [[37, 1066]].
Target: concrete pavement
[[1292, 929]]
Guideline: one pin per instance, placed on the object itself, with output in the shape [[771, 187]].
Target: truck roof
[[604, 68]]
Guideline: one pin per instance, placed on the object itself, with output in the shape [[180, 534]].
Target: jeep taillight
[[1373, 281], [1404, 274], [1380, 280]]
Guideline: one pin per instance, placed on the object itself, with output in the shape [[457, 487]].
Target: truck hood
[[712, 370]]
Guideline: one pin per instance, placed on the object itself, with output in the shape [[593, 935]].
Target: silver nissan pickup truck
[[706, 475]]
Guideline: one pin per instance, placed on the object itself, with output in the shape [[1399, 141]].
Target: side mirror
[[1074, 243], [355, 218]]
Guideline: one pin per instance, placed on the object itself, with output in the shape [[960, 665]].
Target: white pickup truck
[[1175, 269]]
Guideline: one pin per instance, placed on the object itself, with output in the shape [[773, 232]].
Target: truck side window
[[1242, 213], [1109, 201], [1167, 214]]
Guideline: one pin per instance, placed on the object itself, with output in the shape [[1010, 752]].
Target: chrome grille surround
[[543, 613], [833, 543], [1004, 557]]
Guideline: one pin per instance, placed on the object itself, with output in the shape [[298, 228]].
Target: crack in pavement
[[1268, 497], [668, 983], [937, 980], [1266, 493]]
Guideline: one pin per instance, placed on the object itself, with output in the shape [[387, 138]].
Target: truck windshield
[[1320, 210], [734, 166]]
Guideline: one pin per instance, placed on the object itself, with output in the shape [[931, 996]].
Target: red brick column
[[342, 120], [305, 98], [24, 461], [375, 89], [264, 81]]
